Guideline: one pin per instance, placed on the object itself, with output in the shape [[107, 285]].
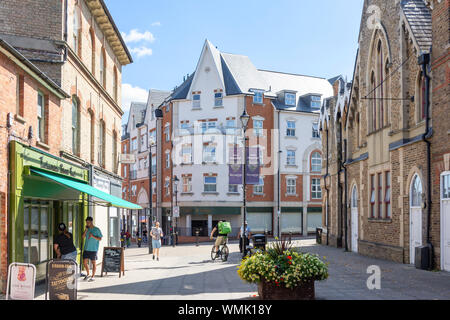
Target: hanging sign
[[21, 281]]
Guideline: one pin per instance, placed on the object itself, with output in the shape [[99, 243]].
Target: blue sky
[[315, 37]]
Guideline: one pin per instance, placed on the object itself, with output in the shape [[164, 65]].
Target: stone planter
[[270, 291]]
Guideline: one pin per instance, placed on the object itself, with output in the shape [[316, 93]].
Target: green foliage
[[282, 265]]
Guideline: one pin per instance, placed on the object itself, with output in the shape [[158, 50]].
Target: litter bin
[[319, 235], [259, 241]]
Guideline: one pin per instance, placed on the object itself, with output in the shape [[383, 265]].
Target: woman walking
[[156, 235]]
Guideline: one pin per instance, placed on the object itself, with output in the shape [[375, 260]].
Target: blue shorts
[[156, 244], [70, 256], [91, 255]]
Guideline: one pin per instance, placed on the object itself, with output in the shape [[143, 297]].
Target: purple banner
[[253, 166], [235, 173]]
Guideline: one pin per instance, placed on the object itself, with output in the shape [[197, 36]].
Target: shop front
[[44, 191]]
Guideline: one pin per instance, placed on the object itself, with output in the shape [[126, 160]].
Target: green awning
[[85, 188]]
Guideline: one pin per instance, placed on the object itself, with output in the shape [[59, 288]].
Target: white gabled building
[[201, 124]]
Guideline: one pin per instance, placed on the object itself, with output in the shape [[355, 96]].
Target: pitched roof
[[137, 110], [334, 79], [419, 21], [157, 97], [30, 68]]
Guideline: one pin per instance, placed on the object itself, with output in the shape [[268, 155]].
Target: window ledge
[[291, 137], [258, 194], [187, 164], [187, 193], [218, 107], [210, 193], [20, 119], [376, 220], [233, 193], [291, 166], [290, 195], [196, 109], [42, 145]]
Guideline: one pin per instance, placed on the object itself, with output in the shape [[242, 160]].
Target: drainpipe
[[327, 190], [424, 61], [345, 194], [279, 177]]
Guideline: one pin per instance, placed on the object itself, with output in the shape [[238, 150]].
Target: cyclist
[[221, 236]]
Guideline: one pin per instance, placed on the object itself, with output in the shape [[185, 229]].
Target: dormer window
[[258, 97], [315, 102], [290, 99]]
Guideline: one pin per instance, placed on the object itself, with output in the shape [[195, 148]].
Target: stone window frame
[[76, 127]]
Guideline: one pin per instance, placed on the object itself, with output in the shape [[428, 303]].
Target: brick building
[[77, 45], [22, 86], [380, 197]]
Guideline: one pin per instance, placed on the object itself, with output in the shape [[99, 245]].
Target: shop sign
[[38, 160], [21, 281], [101, 184]]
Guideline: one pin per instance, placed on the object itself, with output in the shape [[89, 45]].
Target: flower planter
[[270, 291]]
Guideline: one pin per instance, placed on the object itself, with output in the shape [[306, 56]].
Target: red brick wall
[[8, 82]]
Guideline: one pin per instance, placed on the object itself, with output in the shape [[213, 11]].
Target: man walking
[[92, 236], [244, 238]]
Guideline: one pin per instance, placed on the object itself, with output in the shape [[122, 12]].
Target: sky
[[165, 37]]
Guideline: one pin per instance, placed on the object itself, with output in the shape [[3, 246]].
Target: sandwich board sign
[[21, 281], [61, 280]]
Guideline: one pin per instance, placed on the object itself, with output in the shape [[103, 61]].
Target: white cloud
[[136, 36], [141, 51], [156, 24], [132, 94]]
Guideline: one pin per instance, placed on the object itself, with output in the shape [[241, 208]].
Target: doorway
[[415, 217], [355, 219], [201, 226], [445, 221]]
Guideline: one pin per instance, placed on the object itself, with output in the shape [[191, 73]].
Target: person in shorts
[[92, 236], [221, 238], [156, 235]]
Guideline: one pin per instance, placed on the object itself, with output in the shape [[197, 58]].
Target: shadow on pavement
[[216, 281]]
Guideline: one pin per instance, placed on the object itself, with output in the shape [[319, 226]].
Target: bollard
[[290, 237], [196, 235]]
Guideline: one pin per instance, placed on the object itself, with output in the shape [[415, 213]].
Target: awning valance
[[85, 188]]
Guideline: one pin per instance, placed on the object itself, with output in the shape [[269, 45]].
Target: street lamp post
[[244, 121], [158, 116], [175, 184]]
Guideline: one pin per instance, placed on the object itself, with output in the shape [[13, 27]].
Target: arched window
[[92, 35], [380, 63], [91, 135], [416, 192], [103, 68], [76, 31], [114, 151], [374, 101], [386, 86], [316, 162], [115, 88], [75, 126], [101, 144], [420, 97]]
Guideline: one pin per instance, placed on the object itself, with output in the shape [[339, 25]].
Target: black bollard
[[196, 235]]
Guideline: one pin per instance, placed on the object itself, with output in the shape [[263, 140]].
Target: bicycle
[[222, 253]]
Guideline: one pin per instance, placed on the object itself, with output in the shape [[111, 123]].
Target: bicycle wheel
[[213, 253], [225, 253]]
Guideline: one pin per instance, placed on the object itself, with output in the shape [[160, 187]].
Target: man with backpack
[[223, 228]]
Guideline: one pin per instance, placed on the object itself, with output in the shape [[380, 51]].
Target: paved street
[[187, 273]]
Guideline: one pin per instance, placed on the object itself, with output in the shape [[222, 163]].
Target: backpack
[[224, 227]]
